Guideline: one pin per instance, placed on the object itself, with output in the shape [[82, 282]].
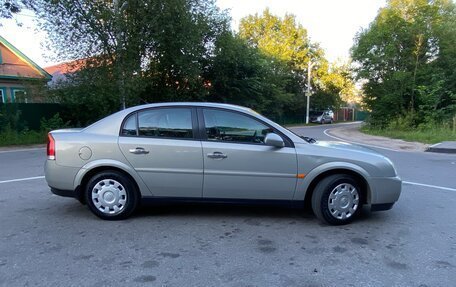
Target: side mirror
[[273, 139]]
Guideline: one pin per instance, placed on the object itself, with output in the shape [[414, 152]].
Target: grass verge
[[10, 138], [428, 136]]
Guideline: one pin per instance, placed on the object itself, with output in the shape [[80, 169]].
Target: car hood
[[345, 146], [321, 152]]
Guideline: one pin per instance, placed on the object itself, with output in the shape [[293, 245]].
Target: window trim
[[203, 135], [195, 132], [3, 98]]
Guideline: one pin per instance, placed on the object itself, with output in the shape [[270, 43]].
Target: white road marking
[[22, 179], [340, 139], [429, 185], [26, 149]]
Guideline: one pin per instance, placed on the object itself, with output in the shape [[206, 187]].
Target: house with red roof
[[20, 77]]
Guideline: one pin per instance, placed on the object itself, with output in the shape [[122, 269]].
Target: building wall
[[20, 92], [13, 66]]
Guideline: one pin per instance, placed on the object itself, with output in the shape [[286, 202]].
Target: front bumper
[[385, 191]]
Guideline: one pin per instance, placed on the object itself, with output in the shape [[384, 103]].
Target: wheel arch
[[92, 168], [308, 184]]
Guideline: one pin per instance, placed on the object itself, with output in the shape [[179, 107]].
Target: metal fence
[[28, 115]]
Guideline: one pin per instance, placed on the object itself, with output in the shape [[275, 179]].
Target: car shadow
[[210, 210], [221, 209]]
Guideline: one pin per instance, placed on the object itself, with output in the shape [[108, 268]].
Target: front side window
[[233, 127], [166, 123]]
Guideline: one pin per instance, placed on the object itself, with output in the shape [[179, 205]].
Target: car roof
[[192, 104]]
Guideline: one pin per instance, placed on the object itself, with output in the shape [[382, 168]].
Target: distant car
[[321, 117], [330, 113], [193, 152]]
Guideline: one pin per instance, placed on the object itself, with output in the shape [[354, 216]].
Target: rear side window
[[129, 127], [166, 123], [233, 127]]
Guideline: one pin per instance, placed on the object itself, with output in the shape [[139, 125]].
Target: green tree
[[404, 56], [146, 50], [286, 41], [241, 74], [9, 8]]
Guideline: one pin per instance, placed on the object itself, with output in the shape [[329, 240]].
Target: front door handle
[[138, 150], [217, 155]]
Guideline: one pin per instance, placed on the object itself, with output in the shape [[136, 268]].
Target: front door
[[238, 165], [162, 146]]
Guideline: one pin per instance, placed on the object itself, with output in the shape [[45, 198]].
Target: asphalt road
[[47, 240]]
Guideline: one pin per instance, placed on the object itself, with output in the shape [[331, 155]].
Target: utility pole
[[119, 7], [309, 75]]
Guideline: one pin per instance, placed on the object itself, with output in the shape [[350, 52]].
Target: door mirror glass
[[273, 139]]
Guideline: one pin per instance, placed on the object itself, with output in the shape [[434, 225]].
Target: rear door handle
[[138, 150], [217, 155]]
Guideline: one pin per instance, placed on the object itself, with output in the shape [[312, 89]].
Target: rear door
[[162, 146], [237, 164]]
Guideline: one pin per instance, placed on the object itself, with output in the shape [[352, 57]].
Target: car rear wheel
[[111, 195], [337, 199]]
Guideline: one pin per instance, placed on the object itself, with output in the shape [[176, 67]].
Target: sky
[[332, 23]]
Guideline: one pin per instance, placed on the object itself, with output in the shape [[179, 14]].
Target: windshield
[[315, 114]]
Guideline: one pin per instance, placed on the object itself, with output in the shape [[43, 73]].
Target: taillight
[[51, 147]]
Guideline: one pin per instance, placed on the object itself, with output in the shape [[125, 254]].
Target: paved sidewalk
[[351, 133]]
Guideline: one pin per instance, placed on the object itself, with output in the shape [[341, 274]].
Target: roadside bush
[[11, 119], [53, 123]]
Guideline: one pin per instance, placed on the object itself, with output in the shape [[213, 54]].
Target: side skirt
[[155, 200]]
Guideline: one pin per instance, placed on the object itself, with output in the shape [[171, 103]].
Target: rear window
[[129, 127]]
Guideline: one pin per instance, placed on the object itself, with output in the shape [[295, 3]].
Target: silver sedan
[[207, 152]]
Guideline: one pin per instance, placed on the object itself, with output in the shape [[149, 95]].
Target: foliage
[[429, 133], [281, 38], [240, 74], [10, 119], [181, 50], [286, 41], [406, 58], [53, 123], [144, 50], [10, 137], [8, 8]]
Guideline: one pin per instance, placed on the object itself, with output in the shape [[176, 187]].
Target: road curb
[[20, 148], [443, 147]]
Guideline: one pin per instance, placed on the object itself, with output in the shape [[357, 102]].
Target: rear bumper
[[63, 192], [60, 177], [68, 193]]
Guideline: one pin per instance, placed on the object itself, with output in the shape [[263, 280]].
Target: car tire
[[337, 199], [111, 195]]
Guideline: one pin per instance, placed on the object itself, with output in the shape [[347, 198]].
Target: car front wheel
[[111, 195], [337, 199]]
